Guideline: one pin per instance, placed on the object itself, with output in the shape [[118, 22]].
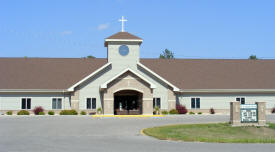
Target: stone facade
[[235, 115], [128, 81]]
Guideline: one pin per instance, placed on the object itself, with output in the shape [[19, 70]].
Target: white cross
[[122, 20]]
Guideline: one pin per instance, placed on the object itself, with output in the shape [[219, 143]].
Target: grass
[[220, 133]]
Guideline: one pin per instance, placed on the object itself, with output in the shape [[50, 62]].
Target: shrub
[[23, 112], [83, 113], [199, 113], [68, 112], [41, 113], [99, 110], [212, 111], [181, 109], [273, 110], [191, 113], [36, 110], [156, 110], [164, 112], [51, 113], [92, 113], [9, 113], [173, 111]]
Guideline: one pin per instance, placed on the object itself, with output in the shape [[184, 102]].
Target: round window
[[123, 50]]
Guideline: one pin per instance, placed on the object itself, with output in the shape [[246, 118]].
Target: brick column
[[108, 108], [261, 113], [235, 113], [75, 99], [171, 99], [147, 106]]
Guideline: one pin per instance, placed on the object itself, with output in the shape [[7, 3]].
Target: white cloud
[[66, 32], [103, 26]]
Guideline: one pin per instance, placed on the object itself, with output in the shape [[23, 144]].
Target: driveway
[[84, 133]]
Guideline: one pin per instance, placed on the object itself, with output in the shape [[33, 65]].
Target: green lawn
[[220, 132]]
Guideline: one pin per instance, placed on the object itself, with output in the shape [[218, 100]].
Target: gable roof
[[45, 73], [124, 35], [62, 73], [104, 85], [215, 73]]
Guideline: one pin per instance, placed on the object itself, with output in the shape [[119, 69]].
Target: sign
[[249, 113]]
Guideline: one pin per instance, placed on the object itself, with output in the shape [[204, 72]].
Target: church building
[[124, 83]]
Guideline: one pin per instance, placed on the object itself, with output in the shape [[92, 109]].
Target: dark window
[[198, 103], [242, 100], [23, 104], [59, 103], [88, 103], [26, 103], [156, 102], [56, 103], [195, 103], [93, 103]]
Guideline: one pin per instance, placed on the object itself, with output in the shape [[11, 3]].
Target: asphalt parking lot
[[84, 133]]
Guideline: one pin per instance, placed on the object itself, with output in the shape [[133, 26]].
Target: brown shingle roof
[[123, 35], [45, 73], [62, 73], [215, 73]]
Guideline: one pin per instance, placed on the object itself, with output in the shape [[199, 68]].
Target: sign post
[[247, 114]]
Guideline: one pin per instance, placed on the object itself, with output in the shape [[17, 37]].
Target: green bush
[[41, 113], [83, 113], [157, 110], [164, 112], [68, 112], [191, 113], [173, 111], [23, 112], [199, 113], [51, 113], [9, 113], [99, 110]]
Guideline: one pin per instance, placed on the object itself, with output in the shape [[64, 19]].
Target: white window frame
[[156, 102], [241, 99], [26, 103], [91, 103], [56, 102], [195, 102]]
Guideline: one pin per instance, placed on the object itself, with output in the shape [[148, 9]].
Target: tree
[[253, 57], [166, 54], [89, 56]]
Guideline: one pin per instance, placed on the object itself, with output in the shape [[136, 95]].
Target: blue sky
[[189, 28]]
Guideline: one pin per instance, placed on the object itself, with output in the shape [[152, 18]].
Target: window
[[195, 103], [26, 103], [242, 100], [91, 103], [56, 103], [156, 102]]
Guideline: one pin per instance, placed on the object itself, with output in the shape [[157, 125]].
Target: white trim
[[104, 85], [123, 40], [32, 90], [240, 99], [159, 77], [128, 88], [26, 102], [227, 90], [196, 97], [62, 104], [91, 103], [87, 77]]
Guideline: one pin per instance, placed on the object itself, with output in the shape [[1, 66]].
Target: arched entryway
[[127, 102]]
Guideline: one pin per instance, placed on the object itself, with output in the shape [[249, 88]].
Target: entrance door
[[127, 103]]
